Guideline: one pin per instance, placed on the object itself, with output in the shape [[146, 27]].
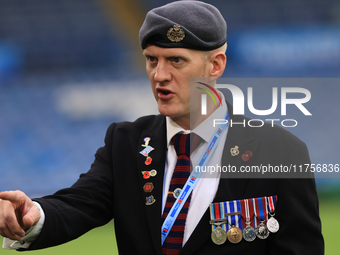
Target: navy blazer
[[113, 188]]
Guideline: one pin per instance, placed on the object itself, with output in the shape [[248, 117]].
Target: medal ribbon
[[247, 212], [192, 180], [232, 207], [272, 203], [217, 212], [260, 209]]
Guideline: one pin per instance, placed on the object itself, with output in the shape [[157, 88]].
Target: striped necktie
[[181, 142]]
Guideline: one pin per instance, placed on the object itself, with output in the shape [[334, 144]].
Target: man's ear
[[218, 61]]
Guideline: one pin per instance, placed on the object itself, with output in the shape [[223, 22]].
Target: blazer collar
[[156, 132]]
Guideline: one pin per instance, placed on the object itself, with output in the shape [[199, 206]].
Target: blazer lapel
[[229, 188], [152, 187]]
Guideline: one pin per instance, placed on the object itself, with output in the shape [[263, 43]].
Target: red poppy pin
[[148, 161], [146, 175], [246, 156]]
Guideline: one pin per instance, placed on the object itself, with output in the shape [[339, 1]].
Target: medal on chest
[[247, 216], [272, 223], [261, 214]]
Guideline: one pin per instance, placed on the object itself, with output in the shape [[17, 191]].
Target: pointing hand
[[17, 214]]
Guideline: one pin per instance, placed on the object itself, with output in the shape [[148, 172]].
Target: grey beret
[[184, 24]]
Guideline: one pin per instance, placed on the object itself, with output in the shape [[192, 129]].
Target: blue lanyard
[[192, 180]]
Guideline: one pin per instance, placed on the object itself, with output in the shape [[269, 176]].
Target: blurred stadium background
[[70, 68]]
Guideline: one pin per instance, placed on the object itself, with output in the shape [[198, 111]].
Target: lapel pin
[[246, 156], [148, 187], [146, 150], [146, 174], [234, 151], [148, 160], [146, 140], [150, 200], [153, 172]]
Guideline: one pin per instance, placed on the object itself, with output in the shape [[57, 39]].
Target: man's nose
[[162, 72]]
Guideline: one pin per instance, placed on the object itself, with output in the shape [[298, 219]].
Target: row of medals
[[234, 234]]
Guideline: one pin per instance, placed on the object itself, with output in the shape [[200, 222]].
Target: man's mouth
[[165, 94]]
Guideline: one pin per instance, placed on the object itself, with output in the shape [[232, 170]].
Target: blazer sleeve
[[297, 212], [87, 204]]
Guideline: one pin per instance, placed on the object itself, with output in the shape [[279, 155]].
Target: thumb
[[31, 217]]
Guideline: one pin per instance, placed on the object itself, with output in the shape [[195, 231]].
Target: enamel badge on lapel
[[150, 200], [246, 156], [146, 140], [153, 172], [148, 160], [148, 187], [234, 151], [147, 149], [148, 174]]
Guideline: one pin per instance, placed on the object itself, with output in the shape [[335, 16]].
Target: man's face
[[169, 71]]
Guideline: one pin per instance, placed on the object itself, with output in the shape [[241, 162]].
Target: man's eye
[[152, 59], [177, 60]]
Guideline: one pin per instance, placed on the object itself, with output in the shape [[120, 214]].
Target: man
[[132, 176]]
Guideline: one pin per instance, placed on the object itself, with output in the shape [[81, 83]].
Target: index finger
[[12, 196]]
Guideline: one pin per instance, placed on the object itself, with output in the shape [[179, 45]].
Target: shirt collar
[[205, 130]]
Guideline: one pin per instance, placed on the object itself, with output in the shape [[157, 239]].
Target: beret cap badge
[[176, 34]]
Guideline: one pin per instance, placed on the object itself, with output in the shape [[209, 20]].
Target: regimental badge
[[150, 200], [234, 151], [176, 34]]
